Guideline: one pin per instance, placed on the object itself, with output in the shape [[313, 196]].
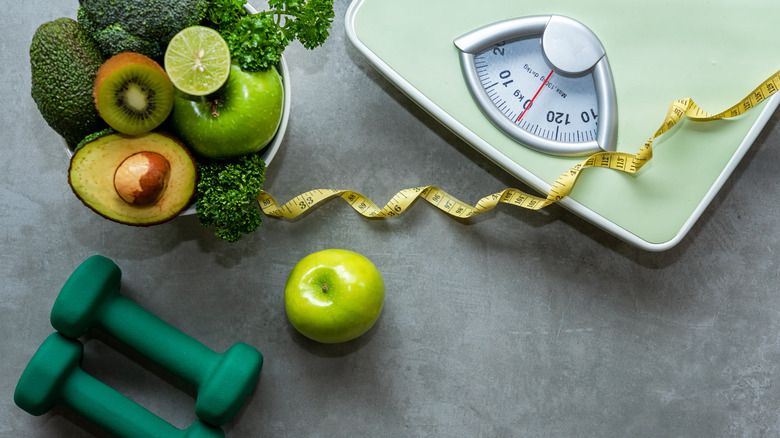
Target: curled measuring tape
[[620, 161]]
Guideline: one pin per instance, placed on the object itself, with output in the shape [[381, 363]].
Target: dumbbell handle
[[156, 339], [91, 299], [117, 414], [53, 377]]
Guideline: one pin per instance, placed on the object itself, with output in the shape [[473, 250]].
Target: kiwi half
[[133, 94]]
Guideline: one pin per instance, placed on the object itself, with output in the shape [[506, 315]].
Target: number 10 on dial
[[544, 81]]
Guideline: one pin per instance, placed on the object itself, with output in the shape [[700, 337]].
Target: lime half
[[197, 60]]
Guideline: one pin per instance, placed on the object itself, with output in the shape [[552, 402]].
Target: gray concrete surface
[[510, 324]]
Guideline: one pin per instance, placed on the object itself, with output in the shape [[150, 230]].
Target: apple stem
[[325, 288], [214, 104]]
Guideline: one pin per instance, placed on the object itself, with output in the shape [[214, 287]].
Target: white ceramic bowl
[[267, 153]]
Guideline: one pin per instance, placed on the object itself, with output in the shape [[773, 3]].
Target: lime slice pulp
[[197, 60]]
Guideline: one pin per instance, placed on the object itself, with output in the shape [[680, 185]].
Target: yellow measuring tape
[[620, 161]]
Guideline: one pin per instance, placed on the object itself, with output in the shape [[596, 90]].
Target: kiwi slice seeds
[[133, 94]]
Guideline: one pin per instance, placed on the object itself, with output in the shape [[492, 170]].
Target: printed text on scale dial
[[527, 90]]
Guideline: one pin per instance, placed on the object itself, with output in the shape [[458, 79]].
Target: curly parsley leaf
[[227, 193], [256, 41]]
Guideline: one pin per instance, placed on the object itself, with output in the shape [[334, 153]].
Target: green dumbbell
[[90, 298], [53, 377]]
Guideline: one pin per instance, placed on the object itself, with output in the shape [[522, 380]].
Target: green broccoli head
[[143, 26]]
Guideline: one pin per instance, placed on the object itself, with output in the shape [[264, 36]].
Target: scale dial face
[[545, 81]]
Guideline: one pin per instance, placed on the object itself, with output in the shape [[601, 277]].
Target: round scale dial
[[544, 81]]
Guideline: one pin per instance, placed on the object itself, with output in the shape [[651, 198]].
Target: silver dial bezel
[[485, 37]]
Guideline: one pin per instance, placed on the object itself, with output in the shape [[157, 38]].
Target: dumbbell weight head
[[78, 304], [231, 380], [40, 386], [53, 377], [90, 298]]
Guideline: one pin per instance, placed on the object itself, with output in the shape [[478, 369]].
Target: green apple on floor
[[334, 295], [240, 118]]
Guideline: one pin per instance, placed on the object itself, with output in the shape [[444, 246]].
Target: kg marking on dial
[[544, 81]]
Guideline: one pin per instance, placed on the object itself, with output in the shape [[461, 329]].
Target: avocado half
[[94, 177]]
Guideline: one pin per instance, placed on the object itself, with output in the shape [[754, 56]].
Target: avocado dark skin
[[64, 60]]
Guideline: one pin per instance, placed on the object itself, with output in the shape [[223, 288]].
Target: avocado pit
[[142, 178], [135, 180]]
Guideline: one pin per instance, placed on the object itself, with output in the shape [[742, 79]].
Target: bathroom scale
[[538, 86]]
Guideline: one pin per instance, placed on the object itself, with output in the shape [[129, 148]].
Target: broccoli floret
[[143, 26]]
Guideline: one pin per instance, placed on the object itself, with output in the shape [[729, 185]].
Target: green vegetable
[[227, 195], [227, 190], [256, 41], [64, 60], [143, 26]]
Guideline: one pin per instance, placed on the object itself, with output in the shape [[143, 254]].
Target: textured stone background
[[510, 324]]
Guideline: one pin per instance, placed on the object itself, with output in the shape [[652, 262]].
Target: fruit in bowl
[[266, 154], [66, 56], [241, 118], [133, 94], [135, 180], [64, 60]]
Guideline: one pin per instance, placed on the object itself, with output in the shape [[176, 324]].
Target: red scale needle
[[534, 98]]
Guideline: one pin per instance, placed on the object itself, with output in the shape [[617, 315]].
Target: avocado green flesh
[[64, 60], [91, 176]]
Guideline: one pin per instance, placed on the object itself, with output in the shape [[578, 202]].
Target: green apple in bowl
[[334, 295], [242, 117]]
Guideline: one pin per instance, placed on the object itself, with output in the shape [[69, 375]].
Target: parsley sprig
[[256, 41], [227, 195]]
